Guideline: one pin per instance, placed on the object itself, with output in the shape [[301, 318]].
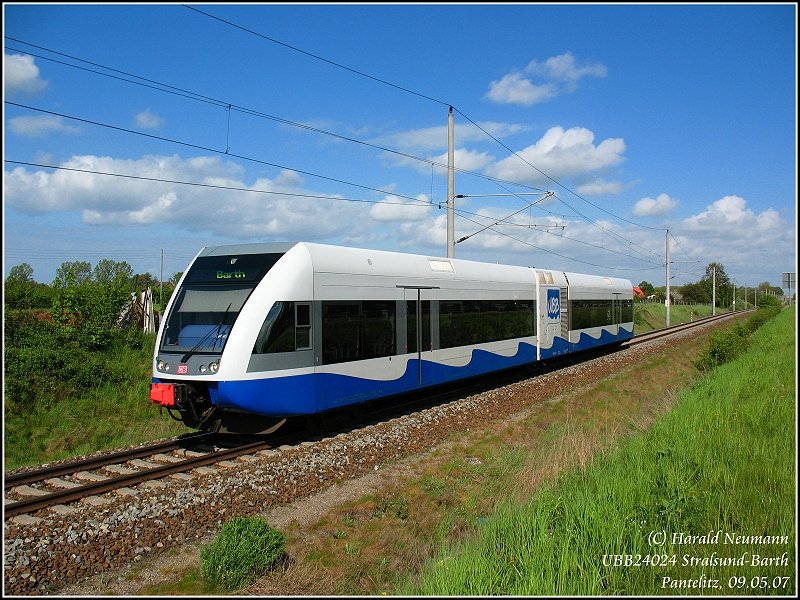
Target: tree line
[[702, 291], [21, 291]]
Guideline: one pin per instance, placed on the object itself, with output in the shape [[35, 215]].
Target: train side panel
[[600, 311]]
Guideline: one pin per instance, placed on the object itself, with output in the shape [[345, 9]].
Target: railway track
[[86, 480]]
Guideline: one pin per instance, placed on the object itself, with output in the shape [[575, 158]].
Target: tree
[[20, 274], [647, 288], [695, 293], [21, 291], [143, 281], [715, 273], [107, 271], [73, 273]]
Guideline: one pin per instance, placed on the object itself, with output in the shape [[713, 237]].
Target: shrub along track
[[50, 551]]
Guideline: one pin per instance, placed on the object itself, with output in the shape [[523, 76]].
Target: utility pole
[[161, 281], [714, 292], [666, 302], [734, 295], [451, 185]]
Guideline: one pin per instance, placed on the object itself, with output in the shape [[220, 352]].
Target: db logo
[[553, 304], [183, 369]]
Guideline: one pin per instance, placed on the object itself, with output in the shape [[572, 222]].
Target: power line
[[200, 97], [330, 62], [450, 104], [223, 187], [462, 212], [229, 106], [207, 149]]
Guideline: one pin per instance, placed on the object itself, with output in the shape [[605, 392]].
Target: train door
[[549, 303], [418, 339], [616, 313], [565, 325]]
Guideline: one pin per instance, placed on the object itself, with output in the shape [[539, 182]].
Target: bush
[[46, 363], [726, 344], [763, 314], [723, 346], [245, 548]]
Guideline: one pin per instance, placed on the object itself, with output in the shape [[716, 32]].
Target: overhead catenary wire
[[421, 204], [230, 106], [450, 104], [134, 79], [206, 149]]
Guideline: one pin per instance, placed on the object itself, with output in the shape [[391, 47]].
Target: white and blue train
[[257, 333]]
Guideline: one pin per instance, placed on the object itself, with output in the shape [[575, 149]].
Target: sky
[[588, 138]]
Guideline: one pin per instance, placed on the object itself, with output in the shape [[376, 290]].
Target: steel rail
[[67, 468], [35, 503]]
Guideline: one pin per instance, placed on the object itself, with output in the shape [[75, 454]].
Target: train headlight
[[162, 366], [213, 367], [203, 368]]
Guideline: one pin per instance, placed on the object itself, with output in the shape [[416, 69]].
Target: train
[[255, 334]]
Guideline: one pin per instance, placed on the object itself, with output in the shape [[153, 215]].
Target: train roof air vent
[[441, 265]]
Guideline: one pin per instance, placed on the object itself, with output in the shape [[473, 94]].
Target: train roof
[[327, 258]]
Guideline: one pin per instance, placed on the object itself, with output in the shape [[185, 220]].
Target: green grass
[[722, 461], [109, 416], [245, 548], [650, 316]]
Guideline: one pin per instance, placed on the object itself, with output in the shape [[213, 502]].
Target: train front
[[188, 364]]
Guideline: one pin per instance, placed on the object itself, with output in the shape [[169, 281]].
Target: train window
[[411, 325], [357, 330], [591, 313], [467, 322], [627, 311], [302, 326], [379, 328], [278, 331]]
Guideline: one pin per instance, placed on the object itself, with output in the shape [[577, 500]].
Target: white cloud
[[40, 126], [600, 187], [659, 206], [728, 228], [560, 75], [727, 211], [117, 201], [148, 120], [398, 209], [560, 153], [515, 88], [467, 160], [564, 68], [21, 75]]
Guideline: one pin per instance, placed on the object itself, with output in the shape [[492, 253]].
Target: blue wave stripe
[[311, 393]]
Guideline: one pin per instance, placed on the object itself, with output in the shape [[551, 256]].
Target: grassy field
[[109, 416], [701, 503]]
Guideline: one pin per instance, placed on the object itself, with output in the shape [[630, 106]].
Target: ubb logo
[[553, 304]]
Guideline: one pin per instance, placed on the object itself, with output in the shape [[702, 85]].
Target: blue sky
[[216, 124]]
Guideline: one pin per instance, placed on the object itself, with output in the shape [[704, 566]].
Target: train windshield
[[209, 300]]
